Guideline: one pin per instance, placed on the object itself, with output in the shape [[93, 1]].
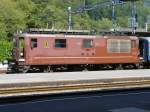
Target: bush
[[5, 49]]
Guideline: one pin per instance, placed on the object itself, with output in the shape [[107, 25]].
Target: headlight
[[21, 54]]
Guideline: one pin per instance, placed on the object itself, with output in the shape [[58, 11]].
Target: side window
[[34, 43], [118, 46], [125, 46], [60, 43], [113, 46], [87, 43]]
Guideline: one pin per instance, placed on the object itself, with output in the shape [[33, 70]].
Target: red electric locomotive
[[66, 51]]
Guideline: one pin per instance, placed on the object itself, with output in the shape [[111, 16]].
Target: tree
[[11, 19]]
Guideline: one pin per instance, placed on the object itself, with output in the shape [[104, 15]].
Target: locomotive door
[[146, 52], [144, 49], [18, 50]]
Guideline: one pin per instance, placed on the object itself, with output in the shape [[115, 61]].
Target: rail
[[35, 90]]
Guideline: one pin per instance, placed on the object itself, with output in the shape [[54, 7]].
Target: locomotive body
[[49, 52]]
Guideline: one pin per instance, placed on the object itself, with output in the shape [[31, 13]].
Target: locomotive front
[[17, 63]]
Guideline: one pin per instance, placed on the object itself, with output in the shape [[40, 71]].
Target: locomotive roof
[[58, 31], [72, 36], [53, 33], [127, 32], [58, 35]]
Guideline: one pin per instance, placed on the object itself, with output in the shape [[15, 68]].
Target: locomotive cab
[[19, 49], [18, 54]]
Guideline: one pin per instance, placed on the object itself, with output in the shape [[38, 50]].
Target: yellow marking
[[46, 44]]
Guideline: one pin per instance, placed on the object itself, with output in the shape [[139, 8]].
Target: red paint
[[75, 53]]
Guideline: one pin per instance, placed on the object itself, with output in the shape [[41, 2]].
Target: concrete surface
[[72, 76], [3, 67]]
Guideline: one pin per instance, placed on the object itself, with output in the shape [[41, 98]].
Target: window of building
[[34, 43], [87, 43], [60, 43]]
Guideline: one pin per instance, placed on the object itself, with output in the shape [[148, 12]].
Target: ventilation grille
[[118, 46]]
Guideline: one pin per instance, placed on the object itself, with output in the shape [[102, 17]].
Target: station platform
[[12, 85], [3, 68]]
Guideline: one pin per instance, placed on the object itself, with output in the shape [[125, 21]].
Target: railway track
[[33, 90]]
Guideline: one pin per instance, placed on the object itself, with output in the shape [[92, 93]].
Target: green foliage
[[5, 49], [105, 24], [11, 18], [148, 27], [20, 14]]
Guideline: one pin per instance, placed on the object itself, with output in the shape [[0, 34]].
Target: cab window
[[21, 43], [60, 43], [87, 43]]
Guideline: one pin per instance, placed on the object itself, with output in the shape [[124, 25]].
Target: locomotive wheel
[[48, 69], [24, 69], [11, 70], [119, 67], [146, 66], [139, 66]]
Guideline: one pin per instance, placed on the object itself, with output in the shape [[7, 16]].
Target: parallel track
[[60, 89]]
